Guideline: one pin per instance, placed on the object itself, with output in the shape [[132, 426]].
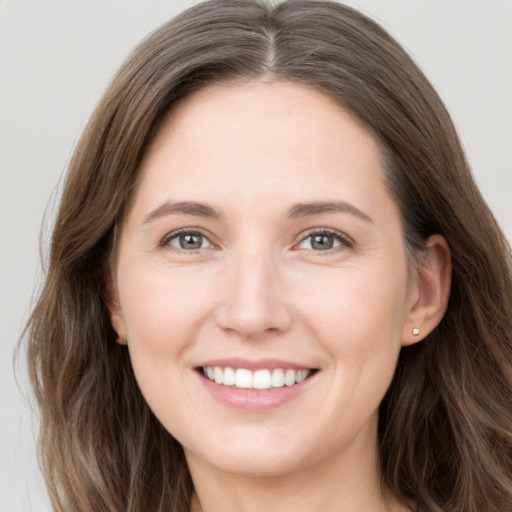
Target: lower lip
[[254, 400]]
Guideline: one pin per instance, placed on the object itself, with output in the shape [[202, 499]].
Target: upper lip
[[254, 364]]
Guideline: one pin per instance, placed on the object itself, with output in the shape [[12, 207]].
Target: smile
[[243, 378]]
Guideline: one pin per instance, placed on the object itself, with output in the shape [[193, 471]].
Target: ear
[[115, 312], [430, 290]]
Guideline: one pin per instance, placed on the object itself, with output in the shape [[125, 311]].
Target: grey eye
[[189, 241], [321, 241]]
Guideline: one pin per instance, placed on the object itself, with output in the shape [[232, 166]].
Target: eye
[[186, 241], [324, 241]]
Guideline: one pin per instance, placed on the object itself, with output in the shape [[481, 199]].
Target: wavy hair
[[445, 424]]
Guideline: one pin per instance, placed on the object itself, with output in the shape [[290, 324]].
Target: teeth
[[259, 379], [301, 375], [243, 378], [228, 377], [289, 377], [278, 378]]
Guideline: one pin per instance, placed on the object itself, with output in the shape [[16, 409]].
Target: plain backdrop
[[56, 58]]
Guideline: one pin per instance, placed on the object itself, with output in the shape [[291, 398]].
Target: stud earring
[[415, 332]]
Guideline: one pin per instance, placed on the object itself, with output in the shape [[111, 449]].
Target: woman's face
[[261, 280]]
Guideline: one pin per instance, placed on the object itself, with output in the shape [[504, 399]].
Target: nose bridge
[[254, 298]]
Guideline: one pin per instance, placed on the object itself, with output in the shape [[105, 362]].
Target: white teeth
[[229, 377], [301, 375], [289, 377], [243, 378], [259, 379], [278, 378]]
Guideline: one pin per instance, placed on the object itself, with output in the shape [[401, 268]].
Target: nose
[[254, 303]]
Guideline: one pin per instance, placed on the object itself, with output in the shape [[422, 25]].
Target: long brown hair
[[445, 429]]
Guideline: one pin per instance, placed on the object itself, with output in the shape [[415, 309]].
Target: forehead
[[249, 141], [262, 109]]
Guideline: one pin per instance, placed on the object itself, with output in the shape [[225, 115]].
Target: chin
[[265, 460]]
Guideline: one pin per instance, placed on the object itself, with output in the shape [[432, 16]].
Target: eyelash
[[343, 240]]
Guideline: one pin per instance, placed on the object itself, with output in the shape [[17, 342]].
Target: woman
[[273, 282]]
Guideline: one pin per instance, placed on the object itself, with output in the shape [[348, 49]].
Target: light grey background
[[57, 56]]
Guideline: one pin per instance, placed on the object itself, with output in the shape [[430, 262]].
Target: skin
[[257, 288]]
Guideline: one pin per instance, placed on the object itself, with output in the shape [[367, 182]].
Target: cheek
[[163, 312], [358, 323], [161, 306], [357, 304]]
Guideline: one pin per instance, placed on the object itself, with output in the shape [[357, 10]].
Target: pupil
[[191, 241], [322, 242]]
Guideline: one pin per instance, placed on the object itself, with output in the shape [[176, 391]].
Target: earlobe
[[115, 312], [432, 282]]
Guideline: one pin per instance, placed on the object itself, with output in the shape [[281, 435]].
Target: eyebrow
[[184, 208], [297, 211], [320, 207]]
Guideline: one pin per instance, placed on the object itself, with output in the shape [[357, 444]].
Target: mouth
[[261, 379]]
